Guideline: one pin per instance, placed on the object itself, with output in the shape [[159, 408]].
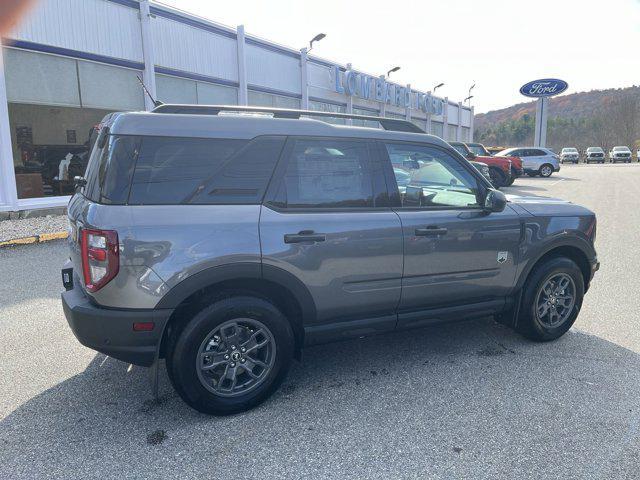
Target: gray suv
[[224, 242]]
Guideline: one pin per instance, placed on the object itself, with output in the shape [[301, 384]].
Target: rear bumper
[[110, 331]]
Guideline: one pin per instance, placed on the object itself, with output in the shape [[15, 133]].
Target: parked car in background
[[569, 154], [516, 164], [483, 168], [495, 150], [594, 154], [535, 160], [620, 154], [499, 168]]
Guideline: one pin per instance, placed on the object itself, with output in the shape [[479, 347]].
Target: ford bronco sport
[[224, 241]]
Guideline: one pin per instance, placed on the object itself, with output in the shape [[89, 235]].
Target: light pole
[[437, 87], [471, 88], [394, 69], [469, 99], [317, 38]]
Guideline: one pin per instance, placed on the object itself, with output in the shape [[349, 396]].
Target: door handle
[[430, 231], [304, 236]]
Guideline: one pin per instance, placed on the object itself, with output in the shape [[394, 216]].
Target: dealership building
[[70, 62]]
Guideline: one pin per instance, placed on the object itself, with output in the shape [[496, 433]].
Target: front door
[[455, 253], [327, 221]]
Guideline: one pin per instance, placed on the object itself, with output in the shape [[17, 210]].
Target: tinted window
[[172, 170], [110, 168], [243, 178], [327, 174], [537, 153], [440, 181]]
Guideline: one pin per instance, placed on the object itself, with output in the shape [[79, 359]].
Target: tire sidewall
[[528, 323], [542, 168], [182, 359], [498, 178]]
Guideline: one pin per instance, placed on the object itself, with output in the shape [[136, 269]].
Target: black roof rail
[[391, 124]]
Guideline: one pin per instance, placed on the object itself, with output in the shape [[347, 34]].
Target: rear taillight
[[100, 257]]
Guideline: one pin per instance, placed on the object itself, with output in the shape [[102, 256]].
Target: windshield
[[620, 149], [594, 149], [478, 149], [569, 150], [505, 153]]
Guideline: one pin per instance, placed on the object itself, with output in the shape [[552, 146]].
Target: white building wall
[[95, 26], [271, 69], [195, 50]]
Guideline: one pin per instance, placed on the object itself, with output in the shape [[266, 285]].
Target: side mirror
[[495, 201]]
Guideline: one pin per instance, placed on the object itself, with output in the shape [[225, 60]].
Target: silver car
[[535, 160]]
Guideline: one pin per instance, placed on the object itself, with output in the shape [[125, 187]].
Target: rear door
[[455, 253], [327, 221]]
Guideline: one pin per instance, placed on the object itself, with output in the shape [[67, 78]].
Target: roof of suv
[[246, 126]]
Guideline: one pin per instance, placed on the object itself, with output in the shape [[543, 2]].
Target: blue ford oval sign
[[547, 87]]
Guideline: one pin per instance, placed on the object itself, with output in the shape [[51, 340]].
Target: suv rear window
[[147, 170]]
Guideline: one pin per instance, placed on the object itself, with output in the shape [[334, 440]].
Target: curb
[[43, 237]]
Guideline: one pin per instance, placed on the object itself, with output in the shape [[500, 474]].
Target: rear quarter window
[[173, 170]]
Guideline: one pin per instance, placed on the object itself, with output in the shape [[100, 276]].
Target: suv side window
[[327, 173], [441, 180], [537, 153], [171, 170]]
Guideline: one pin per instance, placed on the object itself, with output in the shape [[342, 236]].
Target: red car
[[500, 168], [516, 163]]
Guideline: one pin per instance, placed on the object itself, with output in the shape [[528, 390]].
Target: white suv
[[569, 154], [594, 154], [620, 154], [535, 160]]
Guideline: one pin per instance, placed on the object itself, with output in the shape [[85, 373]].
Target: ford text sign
[[547, 87]]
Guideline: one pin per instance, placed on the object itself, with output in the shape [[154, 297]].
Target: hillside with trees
[[597, 118]]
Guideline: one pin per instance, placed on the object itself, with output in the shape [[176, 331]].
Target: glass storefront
[[263, 99], [437, 129], [328, 107], [54, 104], [452, 133], [181, 90]]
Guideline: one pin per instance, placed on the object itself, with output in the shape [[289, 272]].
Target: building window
[[466, 134], [420, 123], [399, 116], [328, 107], [262, 99], [437, 129], [54, 105], [452, 133], [182, 90], [365, 123]]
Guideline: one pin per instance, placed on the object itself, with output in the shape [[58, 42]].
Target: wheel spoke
[[216, 359], [253, 343]]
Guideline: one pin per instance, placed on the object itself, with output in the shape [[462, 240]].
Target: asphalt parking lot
[[470, 400]]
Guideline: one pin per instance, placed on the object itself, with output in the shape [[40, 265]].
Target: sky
[[497, 44]]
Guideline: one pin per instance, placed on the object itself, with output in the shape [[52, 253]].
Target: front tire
[[498, 178], [546, 170], [551, 300], [231, 356]]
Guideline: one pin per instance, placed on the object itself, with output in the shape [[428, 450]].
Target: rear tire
[[228, 380], [541, 320]]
